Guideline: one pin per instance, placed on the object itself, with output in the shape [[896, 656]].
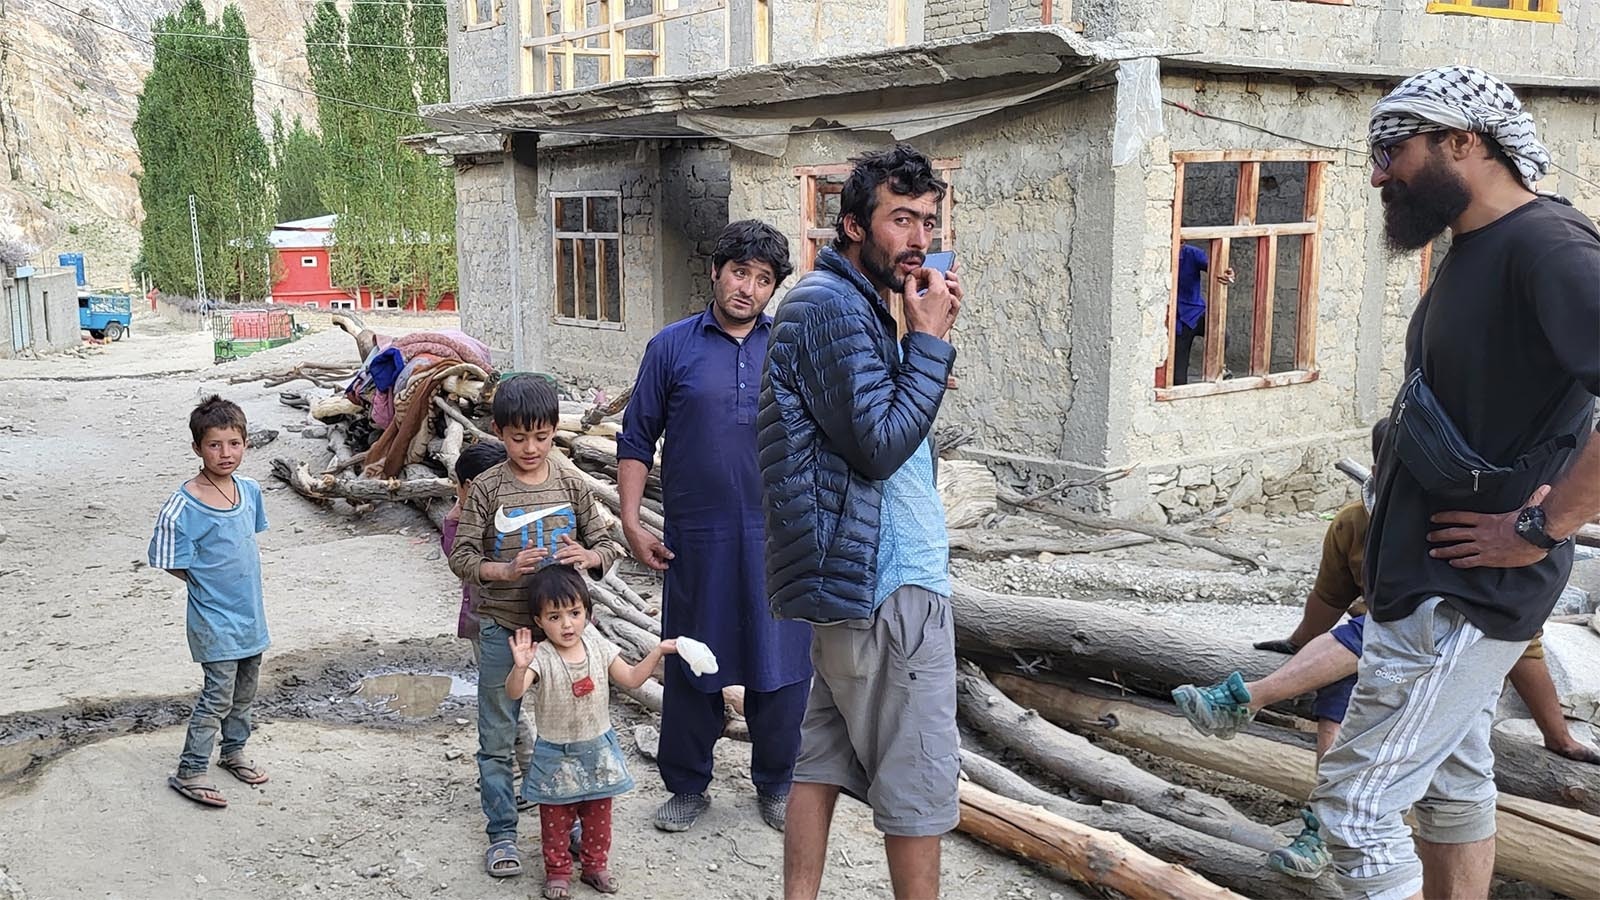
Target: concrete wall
[[1272, 446], [485, 212], [807, 29], [485, 59], [51, 296], [1366, 33]]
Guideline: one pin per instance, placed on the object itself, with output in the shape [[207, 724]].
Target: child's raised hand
[[522, 647], [572, 553], [528, 561], [669, 647]]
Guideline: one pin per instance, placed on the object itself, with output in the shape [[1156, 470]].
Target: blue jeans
[[224, 705], [497, 731]]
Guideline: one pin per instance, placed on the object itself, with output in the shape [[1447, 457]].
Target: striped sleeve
[[597, 528], [170, 547]]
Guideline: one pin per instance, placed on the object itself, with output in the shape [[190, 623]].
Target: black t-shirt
[[1508, 338]]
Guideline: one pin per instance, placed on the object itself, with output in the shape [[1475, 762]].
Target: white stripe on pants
[[1417, 732]]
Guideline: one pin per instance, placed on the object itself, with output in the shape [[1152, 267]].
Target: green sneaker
[[1219, 710], [1307, 856]]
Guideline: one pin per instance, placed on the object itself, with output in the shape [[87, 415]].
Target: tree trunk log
[[1549, 845], [974, 543], [1099, 640], [454, 414], [1085, 854], [1107, 523], [364, 490], [1228, 864], [455, 434], [1101, 772], [1145, 652], [622, 609]]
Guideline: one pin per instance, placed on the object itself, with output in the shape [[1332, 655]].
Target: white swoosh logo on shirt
[[511, 524]]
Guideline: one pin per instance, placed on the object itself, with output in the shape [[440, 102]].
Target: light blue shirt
[[217, 547], [913, 548]]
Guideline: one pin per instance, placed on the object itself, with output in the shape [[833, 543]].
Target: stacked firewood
[[1049, 692]]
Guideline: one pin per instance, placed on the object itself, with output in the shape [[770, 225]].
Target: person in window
[[1191, 305]]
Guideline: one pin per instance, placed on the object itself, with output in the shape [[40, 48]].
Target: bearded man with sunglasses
[[1464, 562]]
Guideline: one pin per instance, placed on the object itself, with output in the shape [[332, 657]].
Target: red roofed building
[[302, 276]]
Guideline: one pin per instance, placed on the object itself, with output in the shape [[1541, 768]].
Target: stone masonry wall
[[694, 208], [484, 58], [483, 215], [1397, 34], [953, 18]]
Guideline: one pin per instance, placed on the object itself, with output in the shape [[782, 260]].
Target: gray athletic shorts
[[881, 721]]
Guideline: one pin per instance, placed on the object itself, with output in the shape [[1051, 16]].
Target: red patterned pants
[[555, 824]]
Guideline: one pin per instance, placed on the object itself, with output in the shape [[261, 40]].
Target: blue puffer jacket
[[841, 411]]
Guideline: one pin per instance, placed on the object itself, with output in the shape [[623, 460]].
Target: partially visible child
[[206, 536], [497, 565], [577, 759], [474, 461]]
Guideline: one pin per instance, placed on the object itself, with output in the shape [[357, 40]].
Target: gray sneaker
[[1307, 857], [773, 808], [1218, 710], [681, 812]]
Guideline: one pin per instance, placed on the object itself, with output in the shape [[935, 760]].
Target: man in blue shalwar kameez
[[698, 383]]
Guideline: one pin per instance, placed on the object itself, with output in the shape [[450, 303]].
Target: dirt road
[[364, 802]]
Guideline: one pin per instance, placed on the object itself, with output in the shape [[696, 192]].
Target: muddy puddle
[[395, 687]]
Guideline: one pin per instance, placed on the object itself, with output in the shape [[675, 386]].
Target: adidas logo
[[1389, 675]]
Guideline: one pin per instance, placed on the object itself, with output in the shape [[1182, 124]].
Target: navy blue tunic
[[699, 385]]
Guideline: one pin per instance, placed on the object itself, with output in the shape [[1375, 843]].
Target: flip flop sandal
[[557, 888], [245, 771], [602, 881], [501, 852], [193, 792]]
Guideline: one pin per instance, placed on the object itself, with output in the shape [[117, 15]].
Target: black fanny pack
[[1438, 456]]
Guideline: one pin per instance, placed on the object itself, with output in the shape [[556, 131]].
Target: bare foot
[[1574, 750]]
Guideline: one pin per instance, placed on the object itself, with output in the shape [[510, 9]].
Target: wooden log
[[1228, 864], [650, 696], [975, 543], [455, 435], [1147, 653], [1099, 639], [622, 589], [361, 490], [454, 414], [1084, 854], [1588, 535], [1100, 772], [1108, 523], [333, 407], [622, 609], [967, 490], [1538, 842]]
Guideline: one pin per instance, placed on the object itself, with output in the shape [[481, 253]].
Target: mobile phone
[[940, 262]]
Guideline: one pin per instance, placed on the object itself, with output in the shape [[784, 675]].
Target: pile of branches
[[1043, 683]]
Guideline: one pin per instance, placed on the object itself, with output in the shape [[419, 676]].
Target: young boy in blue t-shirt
[[206, 536]]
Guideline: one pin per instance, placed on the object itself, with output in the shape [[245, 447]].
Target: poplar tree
[[197, 134]]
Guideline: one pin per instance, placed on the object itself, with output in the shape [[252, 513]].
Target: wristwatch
[[1530, 527]]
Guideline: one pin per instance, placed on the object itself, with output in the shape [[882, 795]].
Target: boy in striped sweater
[[205, 535]]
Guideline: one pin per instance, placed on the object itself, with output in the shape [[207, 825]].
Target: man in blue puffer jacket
[[856, 541]]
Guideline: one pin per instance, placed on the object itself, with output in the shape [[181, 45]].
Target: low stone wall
[[1276, 481]]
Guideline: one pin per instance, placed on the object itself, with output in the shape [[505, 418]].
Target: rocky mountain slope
[[69, 89]]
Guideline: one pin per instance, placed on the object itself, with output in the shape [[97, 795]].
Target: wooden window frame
[[469, 15], [1308, 232], [563, 45], [814, 235], [600, 237], [1518, 10]]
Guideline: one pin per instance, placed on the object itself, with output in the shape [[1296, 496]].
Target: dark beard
[[1415, 213], [883, 271]]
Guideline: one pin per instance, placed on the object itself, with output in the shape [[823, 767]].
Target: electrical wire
[[261, 40]]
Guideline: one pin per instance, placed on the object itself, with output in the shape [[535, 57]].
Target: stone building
[[1084, 142]]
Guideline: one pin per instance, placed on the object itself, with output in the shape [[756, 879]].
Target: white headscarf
[[1466, 99]]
